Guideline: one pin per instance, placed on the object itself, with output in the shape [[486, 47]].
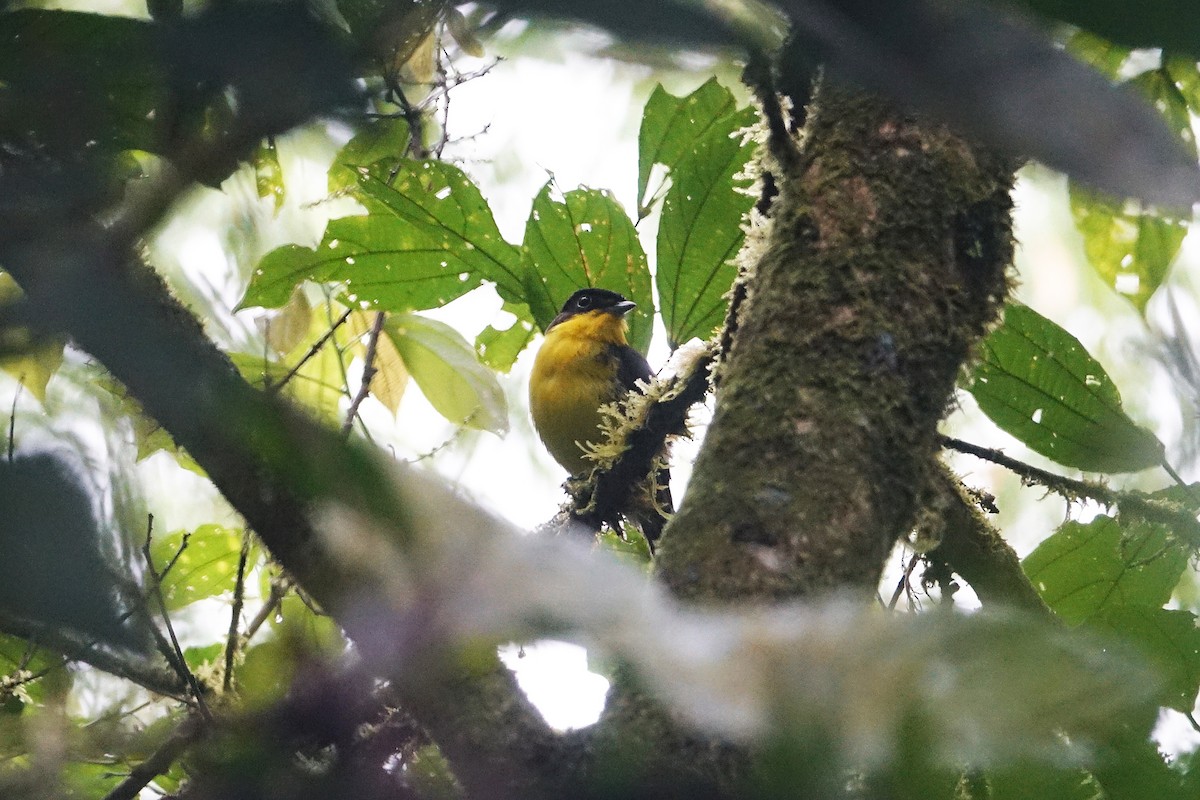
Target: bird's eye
[[584, 302]]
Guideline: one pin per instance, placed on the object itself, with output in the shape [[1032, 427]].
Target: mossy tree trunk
[[883, 263]]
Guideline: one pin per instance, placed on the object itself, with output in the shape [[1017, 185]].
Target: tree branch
[[1181, 521], [975, 550]]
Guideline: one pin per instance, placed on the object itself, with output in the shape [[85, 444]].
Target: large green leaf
[[206, 566], [585, 240], [1169, 639], [1085, 569], [75, 83], [1131, 248], [1037, 382], [427, 238], [445, 367], [701, 229], [671, 127]]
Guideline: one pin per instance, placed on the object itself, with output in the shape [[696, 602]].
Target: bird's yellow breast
[[575, 373]]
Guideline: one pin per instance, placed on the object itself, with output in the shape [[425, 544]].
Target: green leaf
[[701, 229], [76, 83], [671, 127], [206, 567], [1169, 640], [1037, 382], [1083, 569], [197, 657], [426, 239], [1170, 24], [445, 367], [499, 348], [268, 173], [1132, 249], [1032, 781], [385, 139], [585, 240]]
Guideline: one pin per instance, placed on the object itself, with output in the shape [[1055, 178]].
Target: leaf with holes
[[585, 240], [1132, 248], [701, 229], [385, 139], [671, 127], [427, 238], [206, 567], [1084, 569], [449, 374], [1037, 382], [499, 347]]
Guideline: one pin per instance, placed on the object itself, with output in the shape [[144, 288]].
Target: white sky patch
[[555, 677]]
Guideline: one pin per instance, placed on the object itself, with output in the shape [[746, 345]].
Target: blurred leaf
[[1130, 248], [420, 66], [383, 139], [319, 383], [32, 363], [206, 567], [1169, 24], [1032, 781], [427, 238], [89, 779], [1037, 382], [671, 128], [21, 659], [446, 368], [391, 376], [585, 240], [268, 174], [701, 229], [499, 348], [460, 30], [1168, 639], [1098, 52], [73, 83], [1083, 569], [197, 657], [286, 330]]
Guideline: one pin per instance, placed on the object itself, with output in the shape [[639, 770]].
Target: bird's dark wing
[[631, 366]]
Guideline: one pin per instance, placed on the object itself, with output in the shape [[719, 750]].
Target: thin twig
[[187, 734], [312, 351], [239, 589], [279, 590], [179, 662], [369, 371], [1182, 522], [904, 580], [12, 423]]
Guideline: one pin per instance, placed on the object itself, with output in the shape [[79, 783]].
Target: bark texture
[[884, 262]]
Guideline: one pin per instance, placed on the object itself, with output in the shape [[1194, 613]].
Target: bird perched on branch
[[584, 363]]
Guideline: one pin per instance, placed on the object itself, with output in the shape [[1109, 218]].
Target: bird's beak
[[624, 307]]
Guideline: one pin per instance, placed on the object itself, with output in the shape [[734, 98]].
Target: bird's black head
[[586, 301]]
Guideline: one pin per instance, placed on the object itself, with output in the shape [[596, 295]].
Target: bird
[[585, 362]]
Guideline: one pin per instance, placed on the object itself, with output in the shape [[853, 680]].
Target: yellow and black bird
[[584, 363]]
